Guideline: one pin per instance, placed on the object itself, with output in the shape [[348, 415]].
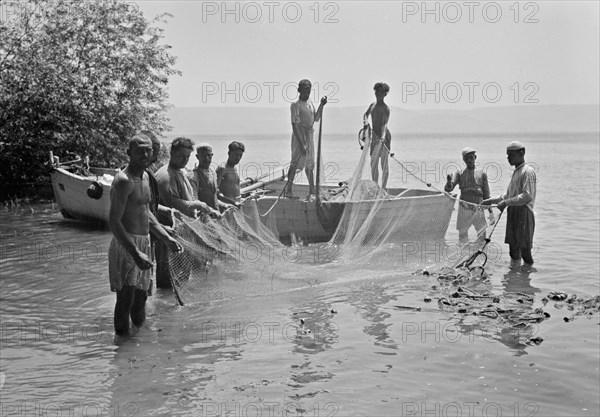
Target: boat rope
[[428, 184], [287, 183]]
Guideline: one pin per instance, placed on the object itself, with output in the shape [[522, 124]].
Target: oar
[[261, 184], [248, 182], [318, 179]]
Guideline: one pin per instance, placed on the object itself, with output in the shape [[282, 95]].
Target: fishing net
[[374, 215], [242, 255], [356, 218]]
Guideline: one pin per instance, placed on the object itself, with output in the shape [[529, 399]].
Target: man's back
[[380, 114]]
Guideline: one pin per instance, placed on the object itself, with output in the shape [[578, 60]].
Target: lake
[[337, 340]]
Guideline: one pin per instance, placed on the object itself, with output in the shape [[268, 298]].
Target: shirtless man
[[130, 221], [228, 178], [380, 115]]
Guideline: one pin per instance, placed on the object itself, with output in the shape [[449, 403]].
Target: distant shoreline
[[171, 135]]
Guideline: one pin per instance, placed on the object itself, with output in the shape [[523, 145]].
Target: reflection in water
[[58, 344], [368, 299], [312, 331], [519, 280]]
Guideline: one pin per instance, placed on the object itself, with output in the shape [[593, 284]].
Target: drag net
[[406, 209], [361, 216]]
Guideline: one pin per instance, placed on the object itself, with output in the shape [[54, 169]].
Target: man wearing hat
[[520, 200], [474, 188]]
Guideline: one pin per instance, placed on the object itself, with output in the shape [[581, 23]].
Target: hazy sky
[[444, 55]]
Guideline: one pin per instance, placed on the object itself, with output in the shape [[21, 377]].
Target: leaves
[[78, 77]]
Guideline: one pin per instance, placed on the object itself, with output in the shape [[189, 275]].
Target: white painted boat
[[82, 194], [424, 214]]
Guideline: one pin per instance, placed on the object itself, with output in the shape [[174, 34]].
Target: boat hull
[[414, 214], [70, 193]]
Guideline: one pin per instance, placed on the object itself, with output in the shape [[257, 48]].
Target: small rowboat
[[82, 192]]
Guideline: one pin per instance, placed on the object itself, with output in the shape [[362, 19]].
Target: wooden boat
[[427, 212], [397, 213], [82, 192]]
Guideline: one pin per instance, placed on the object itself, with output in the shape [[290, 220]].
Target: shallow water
[[357, 352]]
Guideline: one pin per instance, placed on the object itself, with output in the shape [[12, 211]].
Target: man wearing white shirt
[[520, 200]]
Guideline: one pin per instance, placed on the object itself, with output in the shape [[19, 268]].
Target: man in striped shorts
[[520, 200]]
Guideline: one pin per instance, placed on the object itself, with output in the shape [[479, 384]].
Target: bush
[[78, 77]]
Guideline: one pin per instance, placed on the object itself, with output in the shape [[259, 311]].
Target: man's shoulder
[[164, 174], [123, 176], [123, 182], [162, 170]]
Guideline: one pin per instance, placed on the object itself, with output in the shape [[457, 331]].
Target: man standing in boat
[[204, 179], [381, 138], [520, 200], [303, 149], [130, 221]]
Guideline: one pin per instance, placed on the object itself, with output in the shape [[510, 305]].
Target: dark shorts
[[520, 225]]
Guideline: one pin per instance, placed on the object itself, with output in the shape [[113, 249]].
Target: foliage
[[78, 76]]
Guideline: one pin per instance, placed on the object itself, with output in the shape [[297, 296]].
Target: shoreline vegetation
[[77, 78]]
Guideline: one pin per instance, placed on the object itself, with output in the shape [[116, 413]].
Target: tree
[[77, 76]]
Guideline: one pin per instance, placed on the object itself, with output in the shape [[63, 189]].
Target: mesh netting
[[374, 216], [348, 227], [355, 219]]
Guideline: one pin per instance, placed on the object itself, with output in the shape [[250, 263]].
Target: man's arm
[[300, 136], [485, 188], [319, 112], [495, 200], [451, 181], [120, 190], [526, 195], [167, 196], [220, 171], [159, 231], [366, 115], [229, 201]]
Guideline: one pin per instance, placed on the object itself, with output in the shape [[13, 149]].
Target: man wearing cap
[[520, 200], [474, 188]]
